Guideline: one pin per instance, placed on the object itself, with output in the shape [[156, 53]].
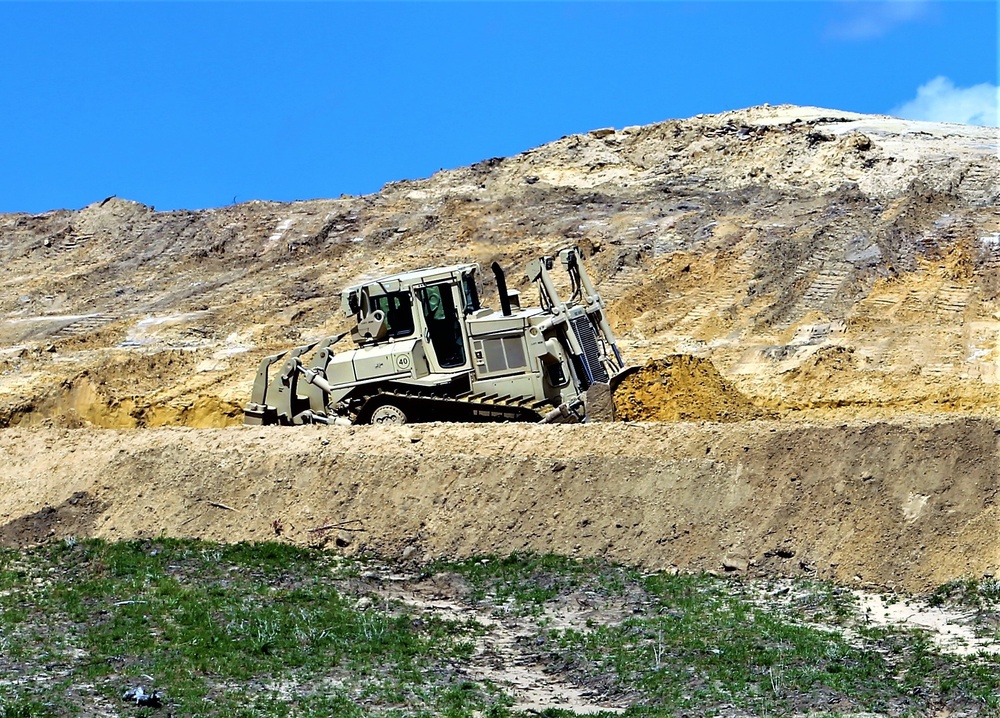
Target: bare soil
[[905, 505]]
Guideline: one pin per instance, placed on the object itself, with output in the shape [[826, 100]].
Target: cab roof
[[405, 280]]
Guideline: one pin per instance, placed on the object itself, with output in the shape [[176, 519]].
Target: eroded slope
[[826, 263]]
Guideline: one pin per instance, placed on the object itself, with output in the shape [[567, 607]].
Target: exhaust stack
[[502, 288]]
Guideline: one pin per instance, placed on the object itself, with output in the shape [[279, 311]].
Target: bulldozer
[[425, 349]]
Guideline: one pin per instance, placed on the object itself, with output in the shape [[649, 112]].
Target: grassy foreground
[[274, 630]]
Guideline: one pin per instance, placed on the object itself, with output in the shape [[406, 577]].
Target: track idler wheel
[[388, 414]]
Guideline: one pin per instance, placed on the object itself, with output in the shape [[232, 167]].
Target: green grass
[[275, 630], [691, 644], [975, 593], [725, 651], [220, 628], [526, 582]]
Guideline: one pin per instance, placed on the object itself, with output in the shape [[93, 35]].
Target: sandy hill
[[824, 261]]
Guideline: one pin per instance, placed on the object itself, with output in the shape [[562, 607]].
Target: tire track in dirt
[[499, 656]]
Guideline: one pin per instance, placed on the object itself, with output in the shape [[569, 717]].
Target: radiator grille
[[584, 331]]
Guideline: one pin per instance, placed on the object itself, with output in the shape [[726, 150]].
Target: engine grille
[[584, 331]]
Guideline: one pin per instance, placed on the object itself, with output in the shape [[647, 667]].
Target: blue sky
[[192, 105]]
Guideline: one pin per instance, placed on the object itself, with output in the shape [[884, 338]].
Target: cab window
[[397, 307], [470, 295]]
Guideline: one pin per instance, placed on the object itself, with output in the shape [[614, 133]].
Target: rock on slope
[[825, 262]]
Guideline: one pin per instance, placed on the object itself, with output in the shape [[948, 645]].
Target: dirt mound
[[128, 390], [73, 517], [84, 402], [681, 388], [906, 504]]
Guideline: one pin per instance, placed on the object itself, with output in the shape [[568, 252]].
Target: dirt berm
[[681, 387], [906, 505]]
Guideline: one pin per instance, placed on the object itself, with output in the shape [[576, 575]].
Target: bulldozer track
[[72, 241], [952, 298], [478, 407], [991, 253], [917, 301], [938, 369], [826, 284], [881, 302], [813, 264], [980, 184], [84, 325], [705, 307], [826, 278], [667, 243], [615, 286]]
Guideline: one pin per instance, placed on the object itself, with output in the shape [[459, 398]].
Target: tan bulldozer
[[426, 349]]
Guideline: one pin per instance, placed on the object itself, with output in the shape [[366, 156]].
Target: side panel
[[384, 360], [518, 385], [499, 355], [340, 370], [400, 359]]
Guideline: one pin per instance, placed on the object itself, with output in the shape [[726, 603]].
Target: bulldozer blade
[[622, 375], [600, 405], [600, 396]]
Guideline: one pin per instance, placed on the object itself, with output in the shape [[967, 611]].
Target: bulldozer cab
[[427, 304], [398, 310]]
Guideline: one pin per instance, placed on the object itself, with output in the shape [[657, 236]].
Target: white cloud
[[868, 20], [940, 101]]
